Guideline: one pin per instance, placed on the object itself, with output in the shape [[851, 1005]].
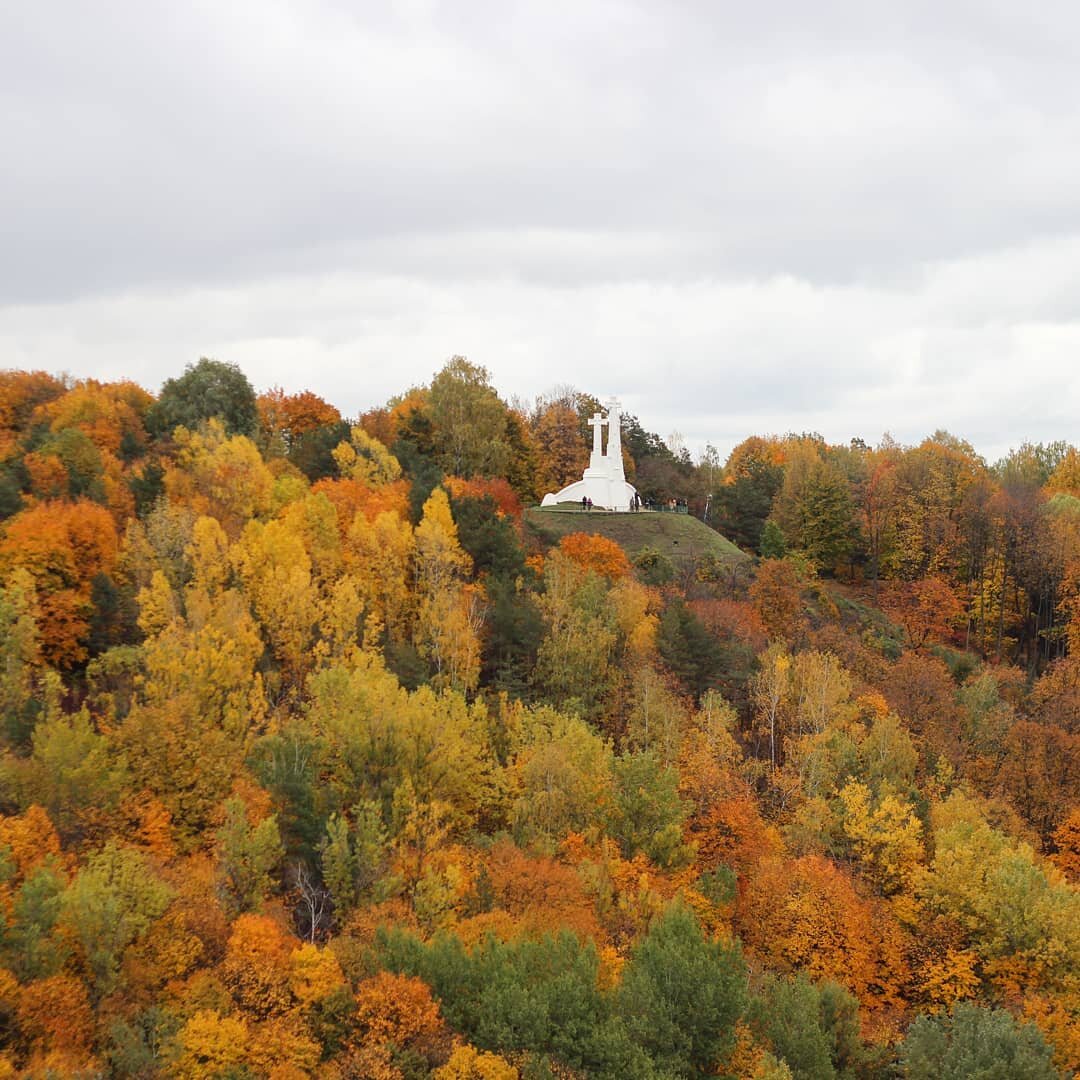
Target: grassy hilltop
[[680, 537]]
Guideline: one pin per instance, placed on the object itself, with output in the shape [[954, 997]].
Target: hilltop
[[681, 537]]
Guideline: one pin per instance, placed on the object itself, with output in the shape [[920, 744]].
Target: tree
[[648, 814], [257, 968], [109, 415], [487, 534], [514, 629], [814, 506], [207, 390], [562, 773], [574, 663], [976, 1042], [562, 453], [469, 421], [366, 460], [807, 914], [468, 1063], [878, 500], [771, 691], [692, 653], [73, 771], [934, 479], [593, 552], [185, 737], [276, 573], [1067, 842], [813, 1029], [395, 1009], [66, 465], [744, 500], [209, 1045], [653, 567], [1019, 915], [112, 902], [248, 853], [20, 655], [1040, 772], [777, 597], [354, 855], [380, 738], [885, 836], [284, 419], [63, 546], [448, 616], [55, 1015], [220, 475], [529, 995], [21, 393], [928, 609], [772, 545], [682, 994]]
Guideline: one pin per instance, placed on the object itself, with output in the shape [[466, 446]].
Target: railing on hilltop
[[666, 507]]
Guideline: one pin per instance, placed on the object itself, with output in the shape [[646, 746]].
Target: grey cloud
[[766, 217], [224, 142]]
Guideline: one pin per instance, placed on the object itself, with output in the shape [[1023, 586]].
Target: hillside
[[319, 757], [681, 537]]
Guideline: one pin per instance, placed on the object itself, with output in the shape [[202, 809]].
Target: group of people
[[635, 503]]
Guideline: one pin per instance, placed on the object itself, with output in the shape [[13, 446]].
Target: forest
[[317, 761]]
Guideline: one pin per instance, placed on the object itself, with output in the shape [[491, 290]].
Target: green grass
[[680, 537]]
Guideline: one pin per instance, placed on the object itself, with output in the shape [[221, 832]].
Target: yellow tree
[[771, 690], [364, 458], [575, 661], [777, 597], [221, 476], [258, 965], [209, 1044], [20, 653], [274, 567], [886, 838], [819, 691], [208, 554], [561, 774], [199, 700], [468, 1063], [379, 557], [449, 614], [314, 519]]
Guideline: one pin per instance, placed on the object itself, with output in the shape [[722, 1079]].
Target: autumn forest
[[321, 757]]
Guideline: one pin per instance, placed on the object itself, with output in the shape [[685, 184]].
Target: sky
[[846, 217]]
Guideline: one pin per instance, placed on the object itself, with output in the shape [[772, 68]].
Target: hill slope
[[680, 537]]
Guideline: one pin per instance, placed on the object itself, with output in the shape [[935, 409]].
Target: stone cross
[[614, 442], [596, 423]]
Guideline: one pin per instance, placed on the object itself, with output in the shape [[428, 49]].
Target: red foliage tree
[[596, 553]]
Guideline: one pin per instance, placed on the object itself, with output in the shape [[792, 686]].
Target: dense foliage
[[316, 762]]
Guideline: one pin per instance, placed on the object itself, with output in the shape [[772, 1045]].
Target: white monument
[[604, 481]]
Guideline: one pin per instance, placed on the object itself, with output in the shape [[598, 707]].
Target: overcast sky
[[742, 218]]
